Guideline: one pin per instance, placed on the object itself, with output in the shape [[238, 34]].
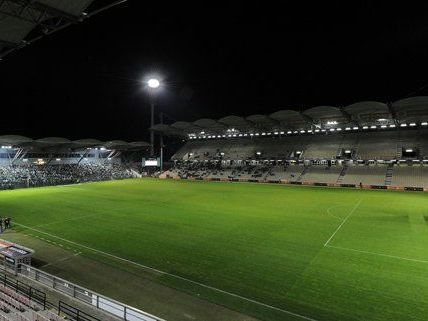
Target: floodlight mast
[[153, 84]]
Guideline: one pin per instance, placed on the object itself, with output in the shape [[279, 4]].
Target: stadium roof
[[25, 21], [365, 113], [60, 142]]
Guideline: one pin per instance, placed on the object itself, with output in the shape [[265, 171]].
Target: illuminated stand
[[13, 255]]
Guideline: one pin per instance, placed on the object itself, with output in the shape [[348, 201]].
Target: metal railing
[[24, 289], [82, 294], [73, 313]]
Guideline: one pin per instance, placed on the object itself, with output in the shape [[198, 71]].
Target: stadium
[[242, 213]]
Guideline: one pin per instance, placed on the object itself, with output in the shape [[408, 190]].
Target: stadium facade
[[366, 144]]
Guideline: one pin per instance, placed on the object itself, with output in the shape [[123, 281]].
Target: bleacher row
[[381, 145], [397, 176], [17, 307]]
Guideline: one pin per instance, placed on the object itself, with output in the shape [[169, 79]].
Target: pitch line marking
[[172, 275], [343, 222], [331, 214], [378, 254], [67, 220]]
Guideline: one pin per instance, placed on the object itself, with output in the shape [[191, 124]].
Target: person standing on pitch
[[1, 225], [6, 222]]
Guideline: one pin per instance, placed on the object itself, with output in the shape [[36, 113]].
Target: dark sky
[[216, 59]]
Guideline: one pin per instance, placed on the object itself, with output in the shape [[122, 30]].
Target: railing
[[24, 289], [75, 314], [82, 294]]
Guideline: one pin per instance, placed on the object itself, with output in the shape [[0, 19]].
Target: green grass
[[262, 242]]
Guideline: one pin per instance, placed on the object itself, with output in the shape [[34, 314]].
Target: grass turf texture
[[262, 242]]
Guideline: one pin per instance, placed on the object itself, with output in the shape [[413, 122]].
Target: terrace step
[[388, 175]]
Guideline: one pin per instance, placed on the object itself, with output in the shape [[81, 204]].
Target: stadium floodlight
[[332, 129], [373, 127], [58, 159], [365, 127], [424, 123], [302, 132], [383, 126], [348, 128], [289, 132], [403, 125], [275, 133], [409, 150], [282, 133], [412, 124], [317, 130], [339, 129], [392, 126], [382, 119], [355, 128], [153, 83], [263, 134]]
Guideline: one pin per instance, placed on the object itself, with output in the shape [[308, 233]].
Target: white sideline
[[343, 222], [69, 219], [378, 254], [171, 275]]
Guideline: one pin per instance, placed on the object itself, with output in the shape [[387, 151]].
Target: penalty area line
[[377, 254], [343, 222], [170, 274]]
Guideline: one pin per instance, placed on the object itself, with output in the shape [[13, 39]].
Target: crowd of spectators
[[16, 176]]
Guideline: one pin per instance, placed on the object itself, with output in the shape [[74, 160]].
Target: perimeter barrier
[[101, 302]]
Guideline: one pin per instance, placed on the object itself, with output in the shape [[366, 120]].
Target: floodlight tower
[[153, 85]]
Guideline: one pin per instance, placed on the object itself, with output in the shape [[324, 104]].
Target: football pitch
[[273, 252]]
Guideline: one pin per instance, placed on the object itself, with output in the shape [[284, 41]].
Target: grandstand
[[366, 144], [25, 162]]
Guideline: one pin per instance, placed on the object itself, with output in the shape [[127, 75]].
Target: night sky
[[215, 60]]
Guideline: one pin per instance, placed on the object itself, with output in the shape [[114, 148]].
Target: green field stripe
[[173, 275]]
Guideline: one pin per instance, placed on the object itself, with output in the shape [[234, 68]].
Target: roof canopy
[[368, 111], [411, 109], [49, 143], [24, 21], [357, 114]]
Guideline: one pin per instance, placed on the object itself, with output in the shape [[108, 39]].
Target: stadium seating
[[17, 307], [390, 158], [322, 174], [33, 175], [410, 176], [365, 174]]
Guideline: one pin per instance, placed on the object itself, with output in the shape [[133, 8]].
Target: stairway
[[399, 151], [388, 176], [299, 179], [342, 175]]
